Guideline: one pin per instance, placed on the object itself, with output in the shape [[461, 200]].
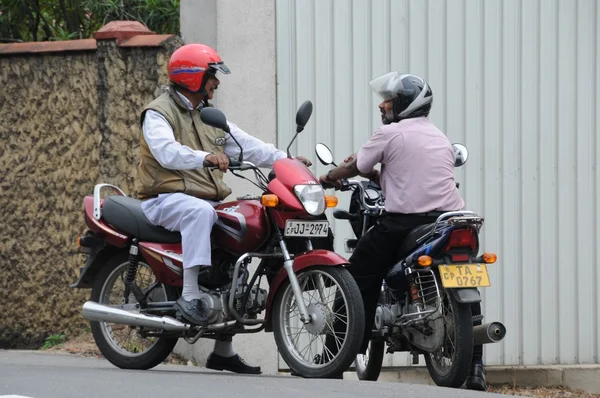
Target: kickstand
[[415, 358]]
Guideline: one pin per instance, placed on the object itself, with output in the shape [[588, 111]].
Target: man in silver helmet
[[417, 179]]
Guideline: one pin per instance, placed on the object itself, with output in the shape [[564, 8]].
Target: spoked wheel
[[327, 345], [449, 366], [123, 345], [368, 366]]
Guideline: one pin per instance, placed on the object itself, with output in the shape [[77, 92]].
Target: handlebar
[[359, 185], [234, 164], [347, 185]]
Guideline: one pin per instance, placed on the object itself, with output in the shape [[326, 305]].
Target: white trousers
[[191, 216]]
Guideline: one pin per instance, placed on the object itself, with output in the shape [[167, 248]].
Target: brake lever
[[345, 185]]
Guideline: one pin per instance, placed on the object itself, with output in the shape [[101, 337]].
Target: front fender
[[309, 259]]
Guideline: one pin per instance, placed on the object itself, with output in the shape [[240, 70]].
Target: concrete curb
[[582, 377]]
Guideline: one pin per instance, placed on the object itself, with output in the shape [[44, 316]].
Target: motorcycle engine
[[385, 315], [214, 305], [257, 302]]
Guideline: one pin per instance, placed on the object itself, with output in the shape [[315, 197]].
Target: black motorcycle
[[429, 302]]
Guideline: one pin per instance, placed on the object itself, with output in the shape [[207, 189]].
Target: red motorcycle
[[134, 270]]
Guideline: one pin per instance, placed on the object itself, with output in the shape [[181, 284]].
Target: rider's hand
[[304, 160], [375, 176], [349, 158], [221, 161], [337, 184]]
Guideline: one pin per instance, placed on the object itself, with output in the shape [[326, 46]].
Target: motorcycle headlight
[[312, 198]]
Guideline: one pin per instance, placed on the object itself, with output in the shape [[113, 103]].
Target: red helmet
[[190, 66]]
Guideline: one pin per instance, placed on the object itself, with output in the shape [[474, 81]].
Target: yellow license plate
[[464, 275]]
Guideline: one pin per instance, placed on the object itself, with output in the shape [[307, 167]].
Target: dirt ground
[[84, 346], [553, 392]]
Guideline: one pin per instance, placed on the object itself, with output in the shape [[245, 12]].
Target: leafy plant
[[54, 340], [41, 20]]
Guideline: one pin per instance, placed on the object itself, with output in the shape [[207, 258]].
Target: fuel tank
[[242, 226]]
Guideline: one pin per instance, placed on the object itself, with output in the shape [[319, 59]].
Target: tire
[[315, 367], [368, 367], [462, 356], [146, 360]]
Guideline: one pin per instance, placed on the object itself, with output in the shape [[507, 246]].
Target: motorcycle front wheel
[[327, 345], [368, 366]]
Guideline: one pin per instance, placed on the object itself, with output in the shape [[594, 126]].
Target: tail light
[[463, 239]]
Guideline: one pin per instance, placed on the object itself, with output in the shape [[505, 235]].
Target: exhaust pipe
[[492, 332], [93, 311]]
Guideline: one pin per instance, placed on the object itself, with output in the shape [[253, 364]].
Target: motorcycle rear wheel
[[335, 305], [128, 354], [457, 347]]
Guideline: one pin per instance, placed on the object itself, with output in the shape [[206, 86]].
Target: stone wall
[[69, 116]]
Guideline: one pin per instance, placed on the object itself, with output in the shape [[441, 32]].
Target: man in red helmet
[[178, 192]]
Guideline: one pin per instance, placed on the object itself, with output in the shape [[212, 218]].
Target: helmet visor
[[220, 67], [387, 86]]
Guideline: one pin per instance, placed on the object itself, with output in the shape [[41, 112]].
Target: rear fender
[[98, 253], [466, 295], [313, 258], [101, 229]]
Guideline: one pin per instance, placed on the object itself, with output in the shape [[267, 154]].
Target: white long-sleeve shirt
[[175, 156]]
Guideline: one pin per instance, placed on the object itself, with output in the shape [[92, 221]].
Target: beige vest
[[189, 130]]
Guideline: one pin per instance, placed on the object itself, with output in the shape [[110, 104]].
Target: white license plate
[[296, 228]]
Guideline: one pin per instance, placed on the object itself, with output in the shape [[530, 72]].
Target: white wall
[[517, 82], [245, 40]]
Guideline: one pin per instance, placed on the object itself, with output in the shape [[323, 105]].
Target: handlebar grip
[[326, 185], [344, 215], [232, 163]]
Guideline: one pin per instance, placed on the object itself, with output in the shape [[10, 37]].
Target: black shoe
[[193, 311], [476, 380], [233, 364]]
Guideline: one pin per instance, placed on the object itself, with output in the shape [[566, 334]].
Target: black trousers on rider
[[376, 252]]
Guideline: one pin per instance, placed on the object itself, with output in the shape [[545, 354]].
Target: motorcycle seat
[[410, 243], [126, 214]]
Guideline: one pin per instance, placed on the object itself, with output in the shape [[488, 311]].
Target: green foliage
[[54, 340], [42, 20]]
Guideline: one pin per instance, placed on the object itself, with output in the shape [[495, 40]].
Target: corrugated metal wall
[[517, 82]]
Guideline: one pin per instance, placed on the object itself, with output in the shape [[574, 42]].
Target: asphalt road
[[50, 375]]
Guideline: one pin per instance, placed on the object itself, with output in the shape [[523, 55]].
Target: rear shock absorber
[[131, 270], [415, 290]]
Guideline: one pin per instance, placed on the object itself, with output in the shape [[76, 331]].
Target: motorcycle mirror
[[215, 118], [324, 154], [303, 115], [461, 154]]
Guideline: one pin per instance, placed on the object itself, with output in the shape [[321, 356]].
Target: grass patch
[[54, 340]]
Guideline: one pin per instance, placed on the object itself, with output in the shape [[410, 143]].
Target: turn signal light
[[489, 258], [331, 201], [425, 261], [269, 200], [79, 241]]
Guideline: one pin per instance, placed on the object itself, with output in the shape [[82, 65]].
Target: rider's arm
[[372, 152], [345, 170], [256, 151], [362, 163], [168, 152]]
